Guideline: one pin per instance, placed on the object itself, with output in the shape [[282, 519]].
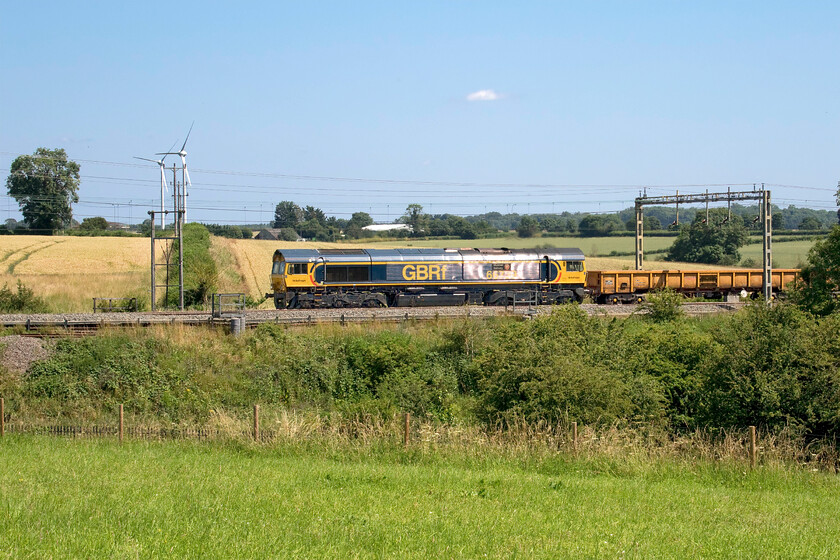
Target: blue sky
[[367, 105]]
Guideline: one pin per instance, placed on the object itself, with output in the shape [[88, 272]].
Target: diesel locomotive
[[332, 278]]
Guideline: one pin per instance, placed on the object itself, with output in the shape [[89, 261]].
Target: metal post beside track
[[767, 212], [640, 232]]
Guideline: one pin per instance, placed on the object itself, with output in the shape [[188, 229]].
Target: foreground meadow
[[83, 499]]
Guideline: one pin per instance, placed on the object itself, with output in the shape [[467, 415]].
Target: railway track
[[79, 324]]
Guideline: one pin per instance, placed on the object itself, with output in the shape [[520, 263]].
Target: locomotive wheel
[[372, 303], [504, 302]]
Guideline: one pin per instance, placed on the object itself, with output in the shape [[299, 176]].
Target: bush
[[775, 367], [821, 276], [556, 368], [102, 372], [663, 306], [22, 301]]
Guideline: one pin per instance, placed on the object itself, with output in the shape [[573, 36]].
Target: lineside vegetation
[[777, 368]]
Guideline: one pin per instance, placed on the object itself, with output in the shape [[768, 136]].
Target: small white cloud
[[484, 95]]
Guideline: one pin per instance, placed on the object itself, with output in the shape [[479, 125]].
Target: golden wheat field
[[68, 272]]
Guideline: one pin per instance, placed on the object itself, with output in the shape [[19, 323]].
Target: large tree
[[312, 213], [528, 227], [821, 276], [287, 214], [837, 200], [45, 186], [94, 224], [416, 218], [716, 242]]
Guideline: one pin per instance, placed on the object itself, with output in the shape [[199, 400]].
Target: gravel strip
[[18, 352], [355, 315]]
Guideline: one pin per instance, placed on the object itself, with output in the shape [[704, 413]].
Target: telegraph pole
[[178, 236]]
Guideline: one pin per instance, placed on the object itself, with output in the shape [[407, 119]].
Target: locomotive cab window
[[574, 266], [297, 268], [277, 268], [348, 273]]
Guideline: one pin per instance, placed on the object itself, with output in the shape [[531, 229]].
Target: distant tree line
[[231, 232]]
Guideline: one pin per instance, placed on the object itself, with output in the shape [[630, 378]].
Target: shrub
[[557, 368], [22, 301], [663, 306], [777, 366]]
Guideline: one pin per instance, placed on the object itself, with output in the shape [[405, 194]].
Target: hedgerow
[[776, 367]]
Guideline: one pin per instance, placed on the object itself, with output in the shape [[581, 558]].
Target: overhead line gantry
[[765, 213]]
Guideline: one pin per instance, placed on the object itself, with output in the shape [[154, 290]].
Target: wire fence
[[740, 446]]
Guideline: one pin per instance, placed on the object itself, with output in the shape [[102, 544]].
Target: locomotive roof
[[423, 254]]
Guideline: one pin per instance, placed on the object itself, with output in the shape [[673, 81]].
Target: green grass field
[[589, 245], [96, 499], [786, 254]]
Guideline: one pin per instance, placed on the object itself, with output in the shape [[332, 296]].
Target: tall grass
[[98, 499]]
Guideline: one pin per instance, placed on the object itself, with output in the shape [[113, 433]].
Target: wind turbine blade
[[187, 173], [146, 159], [168, 151], [188, 137]]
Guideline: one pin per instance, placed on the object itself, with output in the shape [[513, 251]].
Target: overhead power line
[[450, 183]]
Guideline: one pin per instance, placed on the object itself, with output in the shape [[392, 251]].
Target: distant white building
[[388, 227]]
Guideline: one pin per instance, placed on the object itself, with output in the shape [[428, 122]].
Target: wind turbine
[[163, 186], [186, 174]]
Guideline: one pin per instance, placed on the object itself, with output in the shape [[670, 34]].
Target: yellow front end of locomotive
[[572, 272]]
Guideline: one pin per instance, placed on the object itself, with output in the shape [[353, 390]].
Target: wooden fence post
[[574, 436], [256, 422], [121, 423], [752, 447], [405, 430], [2, 417]]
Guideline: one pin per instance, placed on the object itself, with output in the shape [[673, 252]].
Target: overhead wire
[[422, 195]]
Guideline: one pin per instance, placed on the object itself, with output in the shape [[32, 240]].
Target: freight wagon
[[631, 286], [306, 278]]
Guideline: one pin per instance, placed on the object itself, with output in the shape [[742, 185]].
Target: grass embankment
[[776, 368], [82, 499]]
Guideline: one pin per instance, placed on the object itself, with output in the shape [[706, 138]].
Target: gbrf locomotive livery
[[305, 278]]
